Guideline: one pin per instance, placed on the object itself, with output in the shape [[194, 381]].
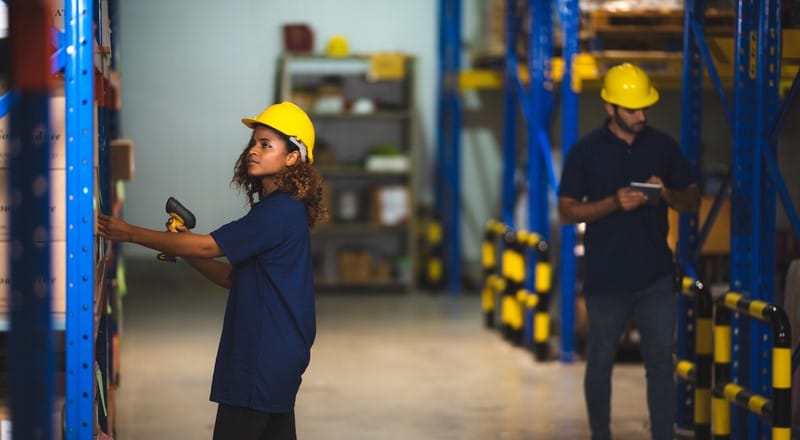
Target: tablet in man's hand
[[652, 191]]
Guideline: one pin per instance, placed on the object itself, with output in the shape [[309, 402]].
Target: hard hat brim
[[635, 104], [250, 122]]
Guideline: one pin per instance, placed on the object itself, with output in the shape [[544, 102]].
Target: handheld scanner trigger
[[180, 215]]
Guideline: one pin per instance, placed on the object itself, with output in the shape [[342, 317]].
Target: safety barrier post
[[698, 372], [434, 267], [489, 251], [776, 411], [721, 427], [539, 299], [513, 263], [518, 304]]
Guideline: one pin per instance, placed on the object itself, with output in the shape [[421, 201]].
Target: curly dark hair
[[301, 181]]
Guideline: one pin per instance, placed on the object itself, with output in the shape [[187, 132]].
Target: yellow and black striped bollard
[[513, 262], [489, 262], [543, 274], [701, 375]]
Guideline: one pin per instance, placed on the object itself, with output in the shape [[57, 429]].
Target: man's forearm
[[573, 211]]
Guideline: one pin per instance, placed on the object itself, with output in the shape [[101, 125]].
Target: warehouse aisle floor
[[384, 367]]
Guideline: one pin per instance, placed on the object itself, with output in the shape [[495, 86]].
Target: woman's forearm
[[216, 271]]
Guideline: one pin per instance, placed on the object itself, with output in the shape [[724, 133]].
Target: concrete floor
[[384, 367]]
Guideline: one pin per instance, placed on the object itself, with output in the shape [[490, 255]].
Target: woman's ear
[[292, 158]]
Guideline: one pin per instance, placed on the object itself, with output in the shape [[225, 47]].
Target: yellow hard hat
[[290, 120], [337, 46], [628, 86]]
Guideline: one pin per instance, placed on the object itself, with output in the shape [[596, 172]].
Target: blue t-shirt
[[270, 323], [626, 250]]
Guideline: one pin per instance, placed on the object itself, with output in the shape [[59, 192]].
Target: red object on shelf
[[298, 38]]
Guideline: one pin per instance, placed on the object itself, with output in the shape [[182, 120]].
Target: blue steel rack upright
[[79, 90], [448, 151], [686, 247], [569, 12]]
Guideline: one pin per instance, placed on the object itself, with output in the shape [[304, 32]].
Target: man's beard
[[632, 129]]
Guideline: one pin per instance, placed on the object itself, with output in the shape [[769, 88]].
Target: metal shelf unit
[[31, 359], [364, 246], [535, 98], [80, 54], [755, 116]]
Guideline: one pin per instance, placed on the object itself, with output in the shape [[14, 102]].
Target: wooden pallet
[[647, 22]]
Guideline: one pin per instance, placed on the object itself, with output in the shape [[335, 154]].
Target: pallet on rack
[[654, 21], [648, 29]]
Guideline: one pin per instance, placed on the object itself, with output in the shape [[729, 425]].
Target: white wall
[[191, 69]]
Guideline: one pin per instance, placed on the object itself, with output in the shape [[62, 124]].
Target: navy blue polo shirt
[[269, 321], [626, 250]]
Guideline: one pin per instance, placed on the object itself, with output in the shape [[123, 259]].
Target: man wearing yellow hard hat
[[619, 180]]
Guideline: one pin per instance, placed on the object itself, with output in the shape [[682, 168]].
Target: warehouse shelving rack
[[82, 54], [536, 103], [756, 117], [363, 246]]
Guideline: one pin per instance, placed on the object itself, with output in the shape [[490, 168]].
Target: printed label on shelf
[[58, 135], [58, 275], [58, 206]]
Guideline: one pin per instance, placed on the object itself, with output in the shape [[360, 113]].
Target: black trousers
[[237, 423]]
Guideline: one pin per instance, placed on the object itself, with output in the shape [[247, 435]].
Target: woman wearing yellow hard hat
[[628, 266], [270, 321]]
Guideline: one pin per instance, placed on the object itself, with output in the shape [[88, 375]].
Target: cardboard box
[[58, 276], [719, 238], [298, 38], [121, 158], [354, 266], [58, 206]]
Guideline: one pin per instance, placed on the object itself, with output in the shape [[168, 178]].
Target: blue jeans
[[653, 312]]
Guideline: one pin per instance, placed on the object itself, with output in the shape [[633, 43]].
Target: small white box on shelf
[[387, 164]]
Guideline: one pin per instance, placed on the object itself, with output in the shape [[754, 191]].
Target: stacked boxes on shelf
[[364, 114]]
